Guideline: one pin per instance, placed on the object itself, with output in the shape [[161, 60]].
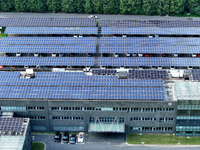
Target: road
[[51, 145], [100, 16]]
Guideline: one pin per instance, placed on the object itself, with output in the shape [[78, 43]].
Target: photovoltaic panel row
[[51, 30], [48, 22], [11, 124], [148, 23], [149, 49], [148, 61], [148, 74], [47, 48], [47, 61], [73, 79], [48, 40], [103, 71], [196, 74], [148, 41], [146, 93], [86, 82], [151, 30]]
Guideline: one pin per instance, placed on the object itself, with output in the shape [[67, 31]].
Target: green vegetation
[[128, 7], [37, 146], [2, 33], [162, 139]]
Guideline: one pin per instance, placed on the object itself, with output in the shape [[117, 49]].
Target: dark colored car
[[65, 138], [57, 137], [72, 139]]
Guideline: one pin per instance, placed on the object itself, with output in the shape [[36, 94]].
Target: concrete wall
[[49, 123]]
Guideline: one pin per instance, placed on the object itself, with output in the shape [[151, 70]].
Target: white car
[[92, 16], [80, 138]]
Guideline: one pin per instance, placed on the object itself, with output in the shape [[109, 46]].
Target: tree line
[[129, 7]]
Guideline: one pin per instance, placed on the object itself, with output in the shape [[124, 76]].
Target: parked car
[[80, 138], [72, 139], [57, 137], [1, 66], [65, 138], [92, 16]]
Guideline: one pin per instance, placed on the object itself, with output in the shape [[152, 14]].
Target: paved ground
[[104, 144], [100, 16]]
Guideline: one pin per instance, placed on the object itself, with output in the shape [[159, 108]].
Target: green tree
[[68, 6], [137, 7], [20, 5], [131, 7], [165, 6], [197, 10], [98, 6], [151, 7], [111, 6], [193, 6], [80, 6], [88, 6], [36, 5], [6, 5], [54, 5], [177, 7]]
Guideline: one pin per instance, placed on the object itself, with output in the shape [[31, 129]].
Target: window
[[12, 108], [66, 118], [35, 108], [68, 128], [162, 120], [35, 117]]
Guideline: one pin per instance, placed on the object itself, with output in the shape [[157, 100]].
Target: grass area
[[161, 139], [2, 33], [37, 146]]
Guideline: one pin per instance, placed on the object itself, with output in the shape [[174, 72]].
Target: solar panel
[[151, 30], [74, 79], [140, 93], [149, 49], [148, 74], [47, 61], [11, 124], [146, 41], [148, 61], [196, 74], [100, 72], [48, 22], [48, 40], [147, 23], [47, 48], [51, 30]]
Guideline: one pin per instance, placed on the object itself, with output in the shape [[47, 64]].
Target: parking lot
[[102, 141]]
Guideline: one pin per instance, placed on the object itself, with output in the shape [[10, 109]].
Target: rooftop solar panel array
[[51, 30], [151, 30], [147, 23], [48, 40], [100, 72], [48, 48], [149, 49], [148, 74], [68, 79], [148, 61], [48, 22], [148, 41], [11, 124], [78, 86], [47, 61], [153, 93], [196, 74]]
